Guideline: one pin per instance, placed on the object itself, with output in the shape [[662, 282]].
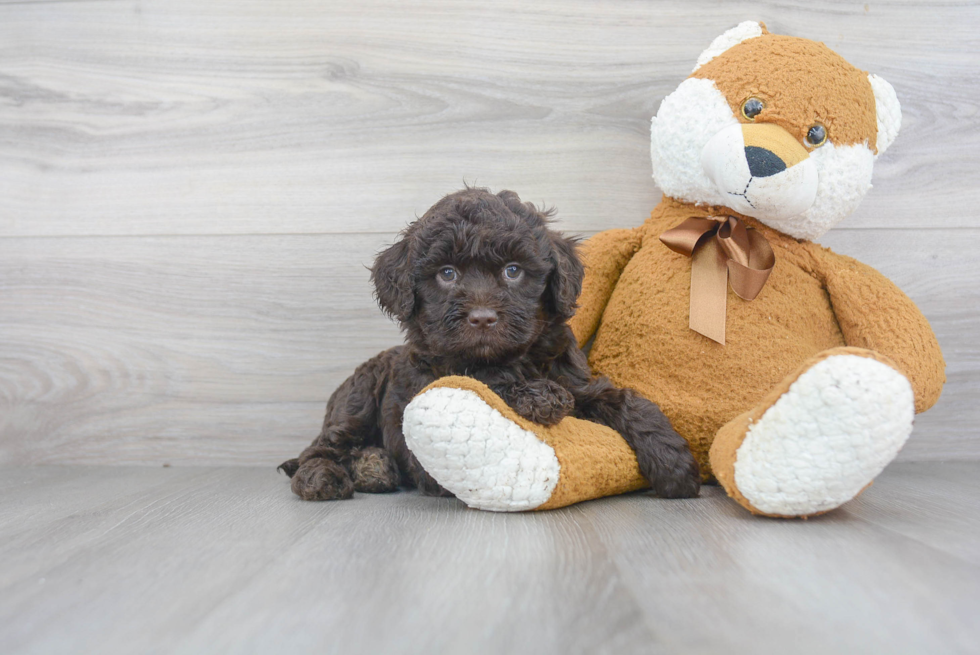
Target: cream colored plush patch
[[824, 440], [486, 460], [888, 112], [684, 138], [687, 119], [800, 84], [771, 198], [843, 179], [745, 30]]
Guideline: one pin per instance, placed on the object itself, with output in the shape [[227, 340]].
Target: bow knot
[[722, 251]]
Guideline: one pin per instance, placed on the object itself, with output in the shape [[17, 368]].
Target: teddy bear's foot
[[819, 439], [478, 448]]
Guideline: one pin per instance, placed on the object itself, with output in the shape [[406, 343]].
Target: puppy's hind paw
[[375, 471], [322, 479]]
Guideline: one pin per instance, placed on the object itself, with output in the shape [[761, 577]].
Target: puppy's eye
[[447, 274], [816, 136], [752, 108], [513, 272]]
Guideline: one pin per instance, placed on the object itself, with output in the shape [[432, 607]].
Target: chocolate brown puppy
[[482, 288]]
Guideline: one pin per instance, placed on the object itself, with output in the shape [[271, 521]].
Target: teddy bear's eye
[[752, 108], [816, 136]]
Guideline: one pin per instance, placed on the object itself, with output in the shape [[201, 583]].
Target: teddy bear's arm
[[875, 314], [605, 255]]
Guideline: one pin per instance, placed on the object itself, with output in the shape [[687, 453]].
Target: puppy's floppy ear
[[393, 279], [565, 281]]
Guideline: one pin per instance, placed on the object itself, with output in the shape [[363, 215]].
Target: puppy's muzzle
[[481, 318], [762, 170]]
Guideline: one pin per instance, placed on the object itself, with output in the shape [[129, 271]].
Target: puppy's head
[[479, 277]]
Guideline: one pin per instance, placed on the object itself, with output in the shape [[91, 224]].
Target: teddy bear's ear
[[888, 111], [747, 30]]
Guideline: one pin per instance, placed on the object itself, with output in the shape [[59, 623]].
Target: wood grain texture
[[189, 192], [177, 117], [183, 350], [152, 560], [817, 586], [940, 271], [197, 350]]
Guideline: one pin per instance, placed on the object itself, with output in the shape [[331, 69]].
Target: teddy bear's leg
[[478, 448], [819, 438]]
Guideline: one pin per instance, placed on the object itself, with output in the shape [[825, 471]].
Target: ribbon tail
[[748, 278], [709, 290]]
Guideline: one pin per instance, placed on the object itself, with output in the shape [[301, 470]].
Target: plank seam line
[[894, 533], [12, 237]]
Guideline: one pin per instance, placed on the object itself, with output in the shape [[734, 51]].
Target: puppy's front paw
[[679, 476], [541, 401], [322, 479]]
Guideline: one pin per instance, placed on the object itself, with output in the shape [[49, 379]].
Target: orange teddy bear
[[793, 372]]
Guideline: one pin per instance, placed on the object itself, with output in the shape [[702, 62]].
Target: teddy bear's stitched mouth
[[767, 190], [744, 195]]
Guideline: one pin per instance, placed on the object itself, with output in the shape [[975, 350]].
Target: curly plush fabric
[[814, 391], [818, 437], [642, 339], [635, 301], [490, 458]]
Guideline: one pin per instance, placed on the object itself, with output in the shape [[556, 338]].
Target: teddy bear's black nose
[[762, 162]]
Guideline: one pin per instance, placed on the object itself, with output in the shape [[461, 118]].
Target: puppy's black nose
[[482, 318]]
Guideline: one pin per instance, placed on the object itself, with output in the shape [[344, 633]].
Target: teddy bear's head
[[774, 127]]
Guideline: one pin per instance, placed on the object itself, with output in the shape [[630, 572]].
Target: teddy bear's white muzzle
[[769, 178]]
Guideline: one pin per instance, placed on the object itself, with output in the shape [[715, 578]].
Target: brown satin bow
[[721, 251]]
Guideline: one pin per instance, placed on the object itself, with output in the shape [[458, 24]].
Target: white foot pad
[[825, 439], [486, 460]]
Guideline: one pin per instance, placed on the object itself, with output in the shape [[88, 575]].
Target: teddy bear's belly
[[644, 342]]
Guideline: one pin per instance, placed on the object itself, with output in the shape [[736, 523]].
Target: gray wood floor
[[193, 560], [189, 192]]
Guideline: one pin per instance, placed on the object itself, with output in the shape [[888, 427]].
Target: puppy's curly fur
[[482, 287]]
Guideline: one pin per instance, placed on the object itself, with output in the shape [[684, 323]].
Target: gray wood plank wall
[[189, 192]]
